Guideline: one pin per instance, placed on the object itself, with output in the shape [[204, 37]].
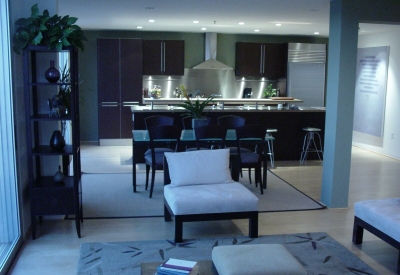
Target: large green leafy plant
[[45, 30], [193, 109]]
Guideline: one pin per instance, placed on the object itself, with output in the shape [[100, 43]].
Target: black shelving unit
[[48, 197]]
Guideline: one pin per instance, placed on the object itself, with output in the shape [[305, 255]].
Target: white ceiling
[[297, 17]]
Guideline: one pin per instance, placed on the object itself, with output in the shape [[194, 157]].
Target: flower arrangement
[[155, 92], [193, 109]]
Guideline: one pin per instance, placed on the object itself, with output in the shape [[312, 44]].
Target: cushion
[[383, 214], [256, 259], [199, 167], [210, 198]]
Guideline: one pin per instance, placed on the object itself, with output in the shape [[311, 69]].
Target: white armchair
[[199, 187]]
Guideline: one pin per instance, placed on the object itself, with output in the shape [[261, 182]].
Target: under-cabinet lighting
[[278, 24], [316, 32], [196, 22], [241, 23], [256, 30], [139, 27], [151, 20]]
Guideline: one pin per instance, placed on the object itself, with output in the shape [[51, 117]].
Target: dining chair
[[253, 136], [157, 120], [210, 137], [231, 122], [154, 160]]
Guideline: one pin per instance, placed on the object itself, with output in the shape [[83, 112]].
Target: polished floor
[[56, 250]]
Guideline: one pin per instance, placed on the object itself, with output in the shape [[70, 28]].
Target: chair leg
[[258, 179], [250, 176], [147, 175], [153, 175]]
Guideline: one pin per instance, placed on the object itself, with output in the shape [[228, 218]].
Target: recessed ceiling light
[[203, 29], [278, 24], [256, 30], [196, 22], [241, 23], [316, 32], [151, 20], [139, 27]]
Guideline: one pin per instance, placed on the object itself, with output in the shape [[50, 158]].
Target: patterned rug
[[317, 252]]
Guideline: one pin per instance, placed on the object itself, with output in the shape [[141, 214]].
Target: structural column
[[342, 57]]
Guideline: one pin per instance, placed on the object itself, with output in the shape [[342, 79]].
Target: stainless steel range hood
[[211, 54]]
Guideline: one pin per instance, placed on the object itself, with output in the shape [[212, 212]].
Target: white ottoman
[[256, 259]]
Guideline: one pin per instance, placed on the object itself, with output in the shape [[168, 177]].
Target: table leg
[[133, 166]]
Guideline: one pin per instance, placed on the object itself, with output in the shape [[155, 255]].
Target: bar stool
[[270, 142], [310, 144]]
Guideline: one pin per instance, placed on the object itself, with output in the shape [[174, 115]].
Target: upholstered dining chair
[[252, 135], [154, 160], [231, 122], [157, 120]]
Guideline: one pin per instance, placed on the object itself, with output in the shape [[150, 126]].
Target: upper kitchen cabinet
[[163, 57], [119, 78], [261, 59]]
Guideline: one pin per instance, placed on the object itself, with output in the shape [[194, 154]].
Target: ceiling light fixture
[[151, 20]]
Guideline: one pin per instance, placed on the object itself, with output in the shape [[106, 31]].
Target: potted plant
[[194, 109], [269, 92], [45, 30]]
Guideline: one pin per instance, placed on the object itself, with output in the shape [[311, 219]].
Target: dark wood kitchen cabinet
[[261, 59], [163, 57], [119, 78], [48, 196]]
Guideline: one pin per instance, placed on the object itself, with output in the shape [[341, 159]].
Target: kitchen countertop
[[221, 102]]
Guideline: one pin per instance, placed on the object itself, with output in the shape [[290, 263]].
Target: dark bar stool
[[312, 143]]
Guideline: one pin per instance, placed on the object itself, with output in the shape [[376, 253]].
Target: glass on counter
[[155, 92]]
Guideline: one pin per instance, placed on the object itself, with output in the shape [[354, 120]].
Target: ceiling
[[297, 17]]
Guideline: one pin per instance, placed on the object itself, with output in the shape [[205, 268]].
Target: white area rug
[[111, 196]]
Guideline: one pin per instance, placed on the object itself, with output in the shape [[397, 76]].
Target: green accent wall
[[194, 54]]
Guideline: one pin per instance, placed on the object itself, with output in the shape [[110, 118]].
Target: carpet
[[317, 252], [111, 196]]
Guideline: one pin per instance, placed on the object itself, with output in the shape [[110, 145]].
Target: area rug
[[317, 252], [111, 196]]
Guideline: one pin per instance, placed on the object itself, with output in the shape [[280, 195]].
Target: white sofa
[[381, 218], [199, 187]]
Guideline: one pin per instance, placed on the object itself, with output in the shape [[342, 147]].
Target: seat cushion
[[210, 198], [199, 167], [382, 214], [256, 259], [158, 150]]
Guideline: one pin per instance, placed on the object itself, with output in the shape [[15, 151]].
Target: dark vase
[[52, 74], [200, 122], [57, 141]]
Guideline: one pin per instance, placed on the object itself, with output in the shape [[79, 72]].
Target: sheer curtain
[[10, 230]]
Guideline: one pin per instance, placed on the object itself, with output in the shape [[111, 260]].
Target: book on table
[[178, 267]]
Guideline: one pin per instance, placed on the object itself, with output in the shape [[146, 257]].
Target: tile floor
[[56, 250]]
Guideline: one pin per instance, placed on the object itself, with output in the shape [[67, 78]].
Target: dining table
[[141, 138]]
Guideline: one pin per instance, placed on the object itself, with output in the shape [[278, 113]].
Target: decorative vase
[[57, 141], [200, 122], [52, 74], [59, 176]]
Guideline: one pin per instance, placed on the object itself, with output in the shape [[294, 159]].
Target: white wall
[[385, 145]]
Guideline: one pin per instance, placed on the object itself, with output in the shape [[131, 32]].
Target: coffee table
[[205, 268]]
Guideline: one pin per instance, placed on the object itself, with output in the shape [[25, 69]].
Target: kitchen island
[[289, 123]]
